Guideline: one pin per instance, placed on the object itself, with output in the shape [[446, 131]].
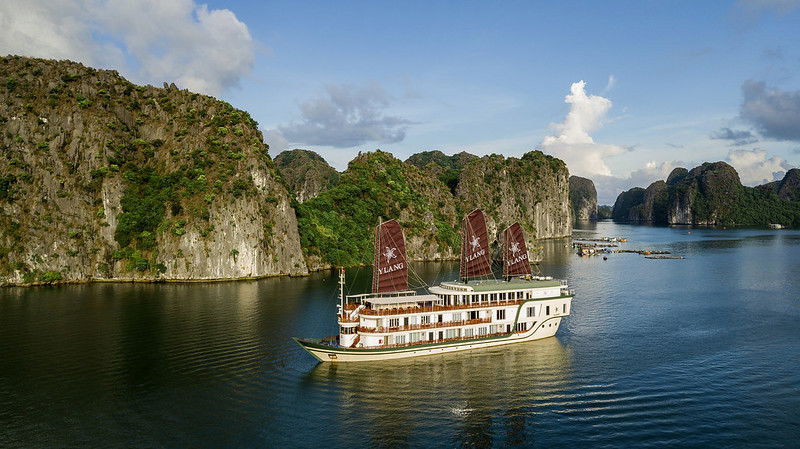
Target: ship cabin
[[452, 311]]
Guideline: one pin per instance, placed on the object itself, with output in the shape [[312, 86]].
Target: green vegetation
[[713, 194], [337, 225]]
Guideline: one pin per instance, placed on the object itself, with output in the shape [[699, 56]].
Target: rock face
[[712, 194], [583, 197], [628, 205], [707, 195], [789, 187], [533, 190], [306, 173], [336, 227], [103, 179], [654, 203], [445, 168]]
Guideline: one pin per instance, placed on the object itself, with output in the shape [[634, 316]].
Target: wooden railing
[[412, 327], [346, 319], [437, 308]]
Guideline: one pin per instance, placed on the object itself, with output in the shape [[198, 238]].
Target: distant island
[[712, 194]]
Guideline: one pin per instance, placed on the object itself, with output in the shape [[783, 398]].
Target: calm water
[[699, 352]]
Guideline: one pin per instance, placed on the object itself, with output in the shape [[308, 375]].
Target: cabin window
[[520, 327], [405, 321], [547, 312], [520, 295], [469, 332], [440, 318], [482, 330], [425, 319], [413, 320], [483, 297], [394, 322], [528, 295], [531, 311], [389, 339], [456, 316], [441, 335], [473, 314], [400, 339], [430, 336], [450, 333], [501, 314]]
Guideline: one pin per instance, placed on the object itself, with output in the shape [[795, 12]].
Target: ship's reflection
[[388, 403]]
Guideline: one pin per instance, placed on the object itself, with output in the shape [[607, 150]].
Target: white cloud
[[346, 116], [276, 141], [776, 113], [149, 41], [609, 187], [755, 168], [573, 143]]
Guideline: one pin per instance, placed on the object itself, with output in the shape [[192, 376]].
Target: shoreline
[[210, 280]]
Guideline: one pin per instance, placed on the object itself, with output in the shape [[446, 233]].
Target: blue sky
[[666, 83]]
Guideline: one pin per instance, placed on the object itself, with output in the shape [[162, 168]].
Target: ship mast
[[341, 291]]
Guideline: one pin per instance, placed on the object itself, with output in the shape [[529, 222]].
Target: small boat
[[475, 311]]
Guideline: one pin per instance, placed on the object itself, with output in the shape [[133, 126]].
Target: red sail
[[475, 259], [390, 272], [515, 253]]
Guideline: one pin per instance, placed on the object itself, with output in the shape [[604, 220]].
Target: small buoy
[[605, 257]]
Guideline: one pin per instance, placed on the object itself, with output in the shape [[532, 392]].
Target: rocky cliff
[[583, 198], [103, 179], [532, 190], [306, 173], [712, 194], [654, 203], [445, 168], [707, 195], [336, 227], [787, 188], [627, 207]]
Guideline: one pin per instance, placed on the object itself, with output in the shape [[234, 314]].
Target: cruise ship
[[476, 311]]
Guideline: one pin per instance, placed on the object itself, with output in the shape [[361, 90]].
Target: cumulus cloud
[[609, 187], [737, 137], [276, 141], [204, 50], [573, 143], [775, 113], [346, 116], [755, 168]]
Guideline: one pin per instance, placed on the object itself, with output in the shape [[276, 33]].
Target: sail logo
[[518, 259], [390, 254], [514, 248], [474, 256], [391, 268], [475, 242]]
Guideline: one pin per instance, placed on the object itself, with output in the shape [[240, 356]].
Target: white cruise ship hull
[[330, 353]]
